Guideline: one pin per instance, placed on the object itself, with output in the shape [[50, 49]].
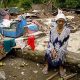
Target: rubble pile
[[41, 42]]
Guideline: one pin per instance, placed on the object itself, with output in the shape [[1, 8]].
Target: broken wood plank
[[16, 47], [52, 76], [2, 56], [70, 76]]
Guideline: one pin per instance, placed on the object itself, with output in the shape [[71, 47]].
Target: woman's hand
[[54, 53]]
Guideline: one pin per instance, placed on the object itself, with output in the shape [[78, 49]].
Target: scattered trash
[[2, 75], [52, 76], [2, 64], [70, 76], [42, 46], [22, 73], [70, 17], [38, 65], [23, 64], [26, 64], [35, 71], [79, 65]]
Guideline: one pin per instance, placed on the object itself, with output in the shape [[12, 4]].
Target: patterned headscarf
[[60, 15]]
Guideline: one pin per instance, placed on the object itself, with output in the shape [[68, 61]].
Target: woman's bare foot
[[45, 69], [62, 72]]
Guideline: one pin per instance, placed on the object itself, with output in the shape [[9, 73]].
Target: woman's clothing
[[59, 43]]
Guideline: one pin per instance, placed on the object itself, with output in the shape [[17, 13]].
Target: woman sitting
[[57, 46]]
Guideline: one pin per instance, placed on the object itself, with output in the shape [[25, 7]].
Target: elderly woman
[[57, 46]]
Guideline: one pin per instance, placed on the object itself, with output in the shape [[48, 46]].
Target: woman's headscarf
[[60, 15]]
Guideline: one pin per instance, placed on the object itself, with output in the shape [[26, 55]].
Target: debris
[[20, 42], [49, 78], [26, 64], [70, 17], [38, 65], [2, 75], [2, 64], [78, 65], [35, 71], [22, 73], [70, 76], [36, 11], [23, 64]]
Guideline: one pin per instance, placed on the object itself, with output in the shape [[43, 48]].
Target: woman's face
[[61, 22]]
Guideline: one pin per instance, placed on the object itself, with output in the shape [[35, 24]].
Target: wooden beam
[[70, 76], [49, 78]]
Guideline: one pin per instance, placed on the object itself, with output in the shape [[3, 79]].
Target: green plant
[[71, 3], [37, 1], [26, 4]]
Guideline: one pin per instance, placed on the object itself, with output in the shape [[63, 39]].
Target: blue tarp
[[15, 33], [33, 27]]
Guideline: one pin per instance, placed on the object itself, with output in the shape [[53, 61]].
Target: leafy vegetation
[[67, 3], [26, 4]]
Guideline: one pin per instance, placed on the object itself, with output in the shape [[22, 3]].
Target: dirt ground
[[16, 68]]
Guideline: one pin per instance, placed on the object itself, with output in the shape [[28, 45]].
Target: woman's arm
[[64, 47], [50, 45], [65, 41]]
